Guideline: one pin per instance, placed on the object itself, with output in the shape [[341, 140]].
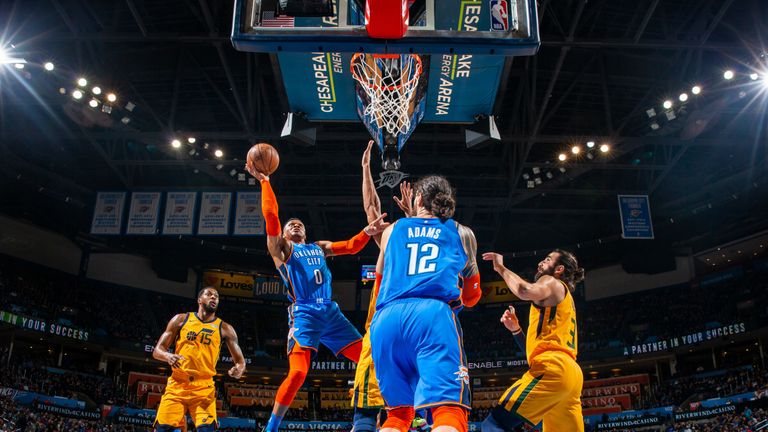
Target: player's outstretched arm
[[384, 240], [169, 335], [371, 201], [356, 243], [230, 336], [277, 245], [470, 292], [540, 290]]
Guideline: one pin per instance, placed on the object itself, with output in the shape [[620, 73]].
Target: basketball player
[[198, 337], [550, 391], [313, 317], [423, 262]]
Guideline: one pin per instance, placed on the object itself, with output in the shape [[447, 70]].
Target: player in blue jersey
[[426, 263], [313, 318]]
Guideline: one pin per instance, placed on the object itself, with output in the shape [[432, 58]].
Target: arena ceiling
[[602, 65]]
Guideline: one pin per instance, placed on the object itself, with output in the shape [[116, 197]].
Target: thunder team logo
[[462, 374]]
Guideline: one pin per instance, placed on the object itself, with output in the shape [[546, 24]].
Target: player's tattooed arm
[[230, 336], [371, 201], [169, 335]]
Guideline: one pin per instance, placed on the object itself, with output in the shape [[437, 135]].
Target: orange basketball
[[263, 158]]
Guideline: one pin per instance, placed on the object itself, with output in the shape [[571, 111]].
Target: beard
[[542, 273], [208, 308]]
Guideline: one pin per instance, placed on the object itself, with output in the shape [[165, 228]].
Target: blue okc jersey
[[423, 259], [306, 273]]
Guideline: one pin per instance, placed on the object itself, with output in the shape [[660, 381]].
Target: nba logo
[[499, 15]]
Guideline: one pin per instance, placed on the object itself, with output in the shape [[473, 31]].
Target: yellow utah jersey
[[199, 342], [552, 328]]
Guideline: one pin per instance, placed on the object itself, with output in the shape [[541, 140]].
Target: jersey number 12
[[423, 258]]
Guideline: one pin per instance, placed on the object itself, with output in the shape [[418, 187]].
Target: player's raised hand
[[377, 227], [498, 260], [510, 321], [174, 359], [405, 202], [367, 155], [236, 371], [252, 171]]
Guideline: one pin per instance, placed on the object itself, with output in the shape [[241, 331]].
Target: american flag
[[268, 19]]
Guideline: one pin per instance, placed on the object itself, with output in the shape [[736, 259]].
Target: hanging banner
[[108, 213], [698, 415], [179, 213], [630, 423], [214, 213], [683, 340], [43, 326], [229, 284], [144, 213], [248, 218], [496, 292], [72, 412], [635, 213]]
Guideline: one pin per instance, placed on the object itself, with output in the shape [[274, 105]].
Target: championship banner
[[623, 400], [630, 423], [144, 213], [631, 388], [636, 220], [229, 284], [698, 415], [108, 213], [72, 412], [42, 326], [248, 218], [179, 213], [214, 213], [496, 292], [689, 339]]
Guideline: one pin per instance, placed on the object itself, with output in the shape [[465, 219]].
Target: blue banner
[[636, 220]]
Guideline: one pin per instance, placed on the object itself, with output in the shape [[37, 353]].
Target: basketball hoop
[[390, 81]]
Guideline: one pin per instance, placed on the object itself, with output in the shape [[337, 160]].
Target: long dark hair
[[437, 196], [573, 274]]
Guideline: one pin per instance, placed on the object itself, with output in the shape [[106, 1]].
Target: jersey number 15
[[423, 258]]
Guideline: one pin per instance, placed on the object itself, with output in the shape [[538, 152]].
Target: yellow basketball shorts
[[366, 392], [549, 392], [196, 397]]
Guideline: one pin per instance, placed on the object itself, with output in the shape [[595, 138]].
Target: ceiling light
[[590, 144], [77, 94], [728, 74], [93, 103], [526, 176], [604, 148], [536, 170], [651, 112], [530, 184], [82, 82], [125, 120], [683, 97], [191, 140], [667, 104], [96, 90], [655, 126], [175, 143], [550, 175], [233, 172], [218, 153], [561, 157], [562, 170], [130, 106], [219, 166], [19, 65], [537, 180], [111, 97], [575, 150], [754, 76], [62, 90], [696, 89], [49, 66]]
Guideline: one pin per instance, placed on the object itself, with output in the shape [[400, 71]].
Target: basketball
[[263, 158]]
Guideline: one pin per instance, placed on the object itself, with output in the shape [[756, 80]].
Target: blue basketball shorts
[[312, 324], [418, 352]]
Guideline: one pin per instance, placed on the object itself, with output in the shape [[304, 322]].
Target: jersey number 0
[[423, 258]]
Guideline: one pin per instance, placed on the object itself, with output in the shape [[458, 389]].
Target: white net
[[390, 83]]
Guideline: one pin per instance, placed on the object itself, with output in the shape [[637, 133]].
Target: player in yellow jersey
[[198, 337], [550, 391]]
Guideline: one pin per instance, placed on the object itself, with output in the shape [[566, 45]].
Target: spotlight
[[205, 146], [130, 106], [233, 172], [683, 97], [537, 180], [106, 109], [93, 103], [3, 56], [753, 76], [655, 126], [550, 175], [62, 90], [561, 157], [240, 176], [650, 112], [670, 115], [251, 181], [526, 176], [536, 170], [125, 120], [590, 144], [111, 97], [219, 167], [19, 65], [530, 184], [192, 152], [49, 66], [728, 74], [590, 156], [562, 170], [175, 143], [77, 94], [667, 104], [96, 90], [604, 148], [82, 82], [218, 153], [191, 140], [575, 150], [696, 89]]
